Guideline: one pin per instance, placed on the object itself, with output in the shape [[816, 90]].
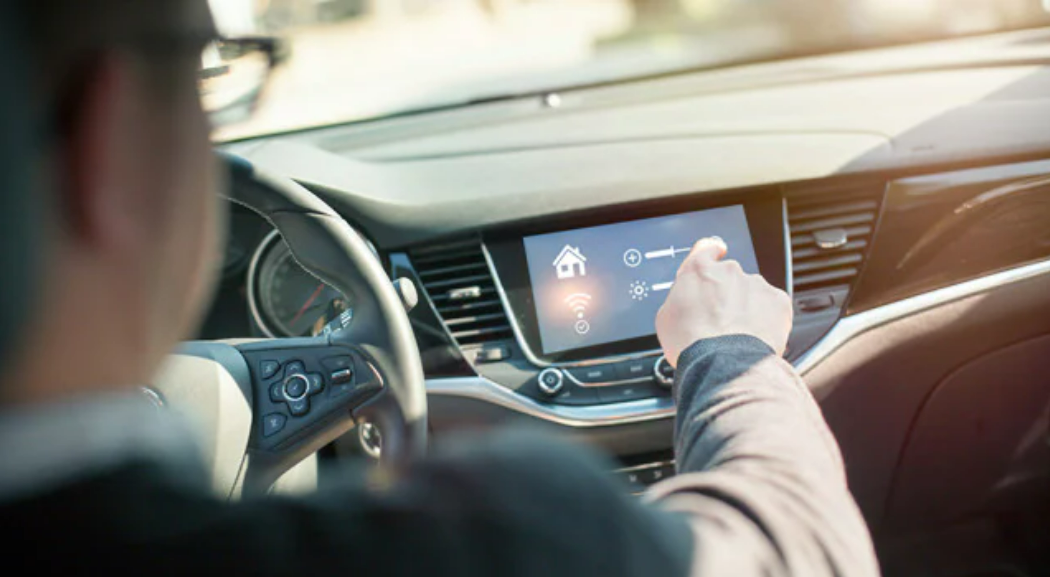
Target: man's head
[[125, 173]]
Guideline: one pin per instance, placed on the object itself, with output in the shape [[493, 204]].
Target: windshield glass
[[345, 60]]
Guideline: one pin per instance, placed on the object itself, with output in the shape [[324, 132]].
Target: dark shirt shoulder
[[513, 505]]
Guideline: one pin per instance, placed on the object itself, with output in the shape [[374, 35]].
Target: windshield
[[346, 60]]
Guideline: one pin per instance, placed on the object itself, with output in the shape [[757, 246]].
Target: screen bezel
[[763, 209]]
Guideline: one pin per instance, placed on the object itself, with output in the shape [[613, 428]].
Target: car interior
[[391, 283]]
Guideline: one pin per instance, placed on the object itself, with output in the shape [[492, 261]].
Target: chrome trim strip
[[520, 337], [610, 383], [788, 256], [482, 389], [253, 267], [653, 409], [854, 325], [647, 466]]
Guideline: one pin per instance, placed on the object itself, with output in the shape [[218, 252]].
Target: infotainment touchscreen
[[604, 284]]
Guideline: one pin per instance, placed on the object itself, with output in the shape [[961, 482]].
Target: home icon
[[570, 263]]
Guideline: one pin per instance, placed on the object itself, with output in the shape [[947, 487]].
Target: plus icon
[[632, 258]]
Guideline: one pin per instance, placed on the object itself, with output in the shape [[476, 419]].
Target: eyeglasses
[[233, 75]]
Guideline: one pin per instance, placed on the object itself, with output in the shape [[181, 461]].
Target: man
[[94, 480]]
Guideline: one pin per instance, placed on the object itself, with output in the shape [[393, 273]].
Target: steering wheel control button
[[299, 407], [664, 372], [551, 381], [635, 369], [296, 387], [593, 374], [277, 392], [273, 424], [268, 369], [294, 368], [333, 364], [342, 377], [316, 384]]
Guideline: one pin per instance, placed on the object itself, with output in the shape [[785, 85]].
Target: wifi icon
[[578, 303]]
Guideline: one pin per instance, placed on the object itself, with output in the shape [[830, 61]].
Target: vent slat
[[429, 259], [805, 239], [834, 222], [444, 296], [475, 319], [810, 252], [813, 214], [468, 307], [807, 280], [834, 209], [465, 281], [457, 279], [830, 262], [437, 272], [461, 335]]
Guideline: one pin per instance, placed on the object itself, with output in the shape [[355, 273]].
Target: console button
[[664, 372], [267, 369], [272, 424], [635, 369], [551, 381], [624, 393], [593, 374], [576, 395], [654, 474]]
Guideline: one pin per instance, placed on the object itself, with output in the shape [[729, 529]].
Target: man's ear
[[100, 185]]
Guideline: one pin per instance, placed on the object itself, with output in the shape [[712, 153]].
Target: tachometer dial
[[287, 300]]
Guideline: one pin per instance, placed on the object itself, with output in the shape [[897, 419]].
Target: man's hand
[[712, 298]]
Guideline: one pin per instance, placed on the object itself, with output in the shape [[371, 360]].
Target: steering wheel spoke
[[309, 391]]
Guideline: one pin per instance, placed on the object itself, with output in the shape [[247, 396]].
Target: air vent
[[830, 234], [458, 281]]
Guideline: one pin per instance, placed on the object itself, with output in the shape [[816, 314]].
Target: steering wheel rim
[[326, 246]]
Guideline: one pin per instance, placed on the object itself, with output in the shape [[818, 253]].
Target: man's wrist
[[723, 343], [692, 358]]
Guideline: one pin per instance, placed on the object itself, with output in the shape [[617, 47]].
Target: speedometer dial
[[288, 301]]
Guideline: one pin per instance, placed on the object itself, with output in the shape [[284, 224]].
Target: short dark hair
[[64, 34]]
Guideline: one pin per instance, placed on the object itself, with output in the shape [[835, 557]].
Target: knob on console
[[664, 372], [551, 381]]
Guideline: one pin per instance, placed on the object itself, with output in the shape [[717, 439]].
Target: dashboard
[[901, 196]]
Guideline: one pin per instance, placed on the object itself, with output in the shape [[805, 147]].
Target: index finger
[[705, 252], [710, 249]]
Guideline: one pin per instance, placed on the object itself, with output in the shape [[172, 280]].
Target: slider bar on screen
[[665, 252], [662, 286]]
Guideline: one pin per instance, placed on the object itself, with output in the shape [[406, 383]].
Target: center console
[[582, 292]]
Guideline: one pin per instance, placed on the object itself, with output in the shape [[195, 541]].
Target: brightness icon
[[639, 290]]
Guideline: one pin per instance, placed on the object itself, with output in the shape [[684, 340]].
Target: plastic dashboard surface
[[923, 108]]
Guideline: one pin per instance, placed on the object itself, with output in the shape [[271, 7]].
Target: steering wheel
[[306, 392]]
